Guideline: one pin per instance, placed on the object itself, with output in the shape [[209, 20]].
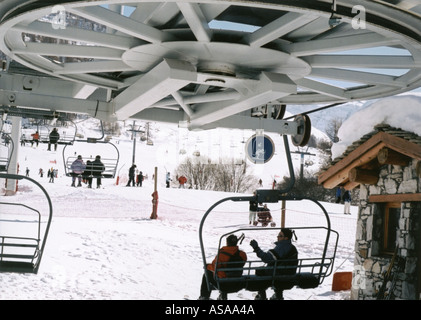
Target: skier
[[284, 250], [139, 179], [167, 180], [51, 174], [338, 194], [35, 138], [252, 210], [54, 137], [22, 140], [97, 169], [78, 166], [347, 202], [131, 175], [182, 180], [224, 256], [87, 174]]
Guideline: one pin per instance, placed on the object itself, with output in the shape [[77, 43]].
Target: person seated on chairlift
[[77, 167], [224, 256], [284, 250], [54, 138]]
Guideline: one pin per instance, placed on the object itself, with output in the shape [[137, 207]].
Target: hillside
[[171, 146]]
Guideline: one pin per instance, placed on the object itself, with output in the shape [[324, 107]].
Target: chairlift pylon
[[22, 254]]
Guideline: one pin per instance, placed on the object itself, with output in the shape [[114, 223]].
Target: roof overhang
[[365, 159]]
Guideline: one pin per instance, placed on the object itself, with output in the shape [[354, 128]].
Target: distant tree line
[[229, 175]]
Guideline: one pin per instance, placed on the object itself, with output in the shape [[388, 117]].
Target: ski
[[400, 266], [390, 275]]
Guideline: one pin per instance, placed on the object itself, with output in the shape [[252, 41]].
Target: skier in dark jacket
[[140, 179], [347, 202], [131, 176], [284, 250], [54, 137], [252, 210], [97, 169], [87, 174]]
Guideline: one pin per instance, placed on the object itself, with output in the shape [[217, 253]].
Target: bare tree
[[332, 129], [228, 176]]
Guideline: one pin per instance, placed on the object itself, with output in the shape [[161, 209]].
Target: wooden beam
[[363, 176], [404, 197], [351, 185], [403, 146], [340, 174], [390, 156], [326, 177], [366, 152]]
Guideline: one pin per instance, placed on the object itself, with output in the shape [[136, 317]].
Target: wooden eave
[[366, 154]]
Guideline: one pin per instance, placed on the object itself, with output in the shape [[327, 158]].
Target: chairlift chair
[[304, 273], [22, 254], [110, 162], [66, 136], [6, 150], [97, 147]]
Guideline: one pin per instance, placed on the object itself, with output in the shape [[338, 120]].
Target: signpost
[[260, 148]]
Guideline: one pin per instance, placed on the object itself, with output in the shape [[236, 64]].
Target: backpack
[[234, 262]]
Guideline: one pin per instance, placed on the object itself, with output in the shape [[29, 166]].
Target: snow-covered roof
[[393, 123], [403, 112], [397, 132]]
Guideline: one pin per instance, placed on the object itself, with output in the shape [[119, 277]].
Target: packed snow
[[401, 111], [103, 245]]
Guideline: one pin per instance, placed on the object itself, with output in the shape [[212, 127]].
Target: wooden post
[[154, 214], [389, 156], [283, 214], [363, 176]]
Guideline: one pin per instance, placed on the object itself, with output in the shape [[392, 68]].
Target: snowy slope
[[103, 244]]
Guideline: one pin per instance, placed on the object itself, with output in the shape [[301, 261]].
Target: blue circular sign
[[260, 148]]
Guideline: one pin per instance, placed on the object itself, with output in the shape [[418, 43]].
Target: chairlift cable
[[317, 109]]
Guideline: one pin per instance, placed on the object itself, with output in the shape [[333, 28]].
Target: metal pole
[[13, 161], [134, 143]]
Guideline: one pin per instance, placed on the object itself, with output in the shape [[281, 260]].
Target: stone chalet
[[386, 167]]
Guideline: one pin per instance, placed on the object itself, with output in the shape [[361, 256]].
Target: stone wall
[[370, 263]]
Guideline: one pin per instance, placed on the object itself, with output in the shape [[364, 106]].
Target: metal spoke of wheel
[[210, 60]]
